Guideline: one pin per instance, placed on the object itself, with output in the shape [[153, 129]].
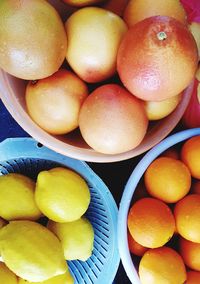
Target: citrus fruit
[[62, 194], [39, 48], [187, 216], [54, 102], [162, 266], [160, 109], [60, 279], [190, 154], [98, 32], [167, 179], [195, 30], [157, 58], [134, 247], [31, 251], [6, 275], [109, 113], [195, 188], [151, 222], [81, 3], [17, 198], [138, 10], [77, 238], [190, 253], [193, 277]]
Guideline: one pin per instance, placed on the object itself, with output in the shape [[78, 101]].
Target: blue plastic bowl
[[129, 190], [28, 157]]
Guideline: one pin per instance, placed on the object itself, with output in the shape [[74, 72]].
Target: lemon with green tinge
[[77, 238], [62, 195], [60, 279], [7, 276], [31, 251], [17, 200]]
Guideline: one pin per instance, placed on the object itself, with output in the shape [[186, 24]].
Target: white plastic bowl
[[12, 93]]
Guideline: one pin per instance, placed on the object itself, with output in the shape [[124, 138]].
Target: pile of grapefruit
[[163, 221], [107, 68]]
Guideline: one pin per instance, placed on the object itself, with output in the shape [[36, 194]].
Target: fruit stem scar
[[161, 36]]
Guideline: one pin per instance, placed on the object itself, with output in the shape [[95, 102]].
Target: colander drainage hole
[[39, 145]]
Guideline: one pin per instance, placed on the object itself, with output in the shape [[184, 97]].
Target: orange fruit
[[157, 58], [162, 266], [195, 188], [187, 216], [134, 247], [151, 222], [138, 10], [167, 179], [193, 277], [190, 253], [190, 155]]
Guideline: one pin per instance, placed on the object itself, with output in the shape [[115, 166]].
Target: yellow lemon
[[62, 195], [7, 276], [31, 251], [60, 279], [76, 237], [17, 198]]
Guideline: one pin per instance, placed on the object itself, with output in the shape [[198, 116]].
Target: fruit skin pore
[[154, 68], [33, 39]]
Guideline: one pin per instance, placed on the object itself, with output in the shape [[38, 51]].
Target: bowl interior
[[131, 264], [12, 93], [101, 267]]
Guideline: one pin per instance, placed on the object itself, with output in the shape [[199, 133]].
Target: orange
[[151, 222], [134, 247], [193, 277], [167, 179], [187, 216], [195, 188], [190, 253], [190, 155], [162, 266], [157, 58], [138, 10]]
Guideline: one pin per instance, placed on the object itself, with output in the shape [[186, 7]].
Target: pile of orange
[[164, 223]]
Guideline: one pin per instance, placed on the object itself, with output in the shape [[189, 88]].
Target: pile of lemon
[[34, 253]]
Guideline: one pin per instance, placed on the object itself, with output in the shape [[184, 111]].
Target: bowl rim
[[20, 115], [129, 190]]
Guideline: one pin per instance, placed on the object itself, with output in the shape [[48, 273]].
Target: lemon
[[60, 279], [7, 276], [77, 238], [62, 195], [31, 251], [17, 198]]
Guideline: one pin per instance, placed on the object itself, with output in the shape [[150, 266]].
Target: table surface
[[109, 172]]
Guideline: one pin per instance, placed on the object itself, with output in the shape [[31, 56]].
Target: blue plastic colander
[[130, 187], [28, 157]]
